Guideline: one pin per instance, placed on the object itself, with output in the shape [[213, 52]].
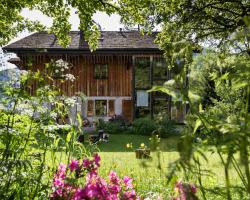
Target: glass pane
[[90, 111], [158, 82], [160, 69], [142, 112], [177, 112], [101, 107], [142, 72], [111, 111], [160, 106], [101, 71], [142, 98]]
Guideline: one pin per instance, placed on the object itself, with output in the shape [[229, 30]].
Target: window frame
[[107, 109], [101, 101], [101, 65]]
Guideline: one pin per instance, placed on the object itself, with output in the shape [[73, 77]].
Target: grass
[[151, 175], [118, 142]]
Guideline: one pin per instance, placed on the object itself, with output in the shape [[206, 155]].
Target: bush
[[144, 126], [167, 127], [114, 126]]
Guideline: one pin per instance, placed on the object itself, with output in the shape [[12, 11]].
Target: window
[[142, 98], [101, 71], [111, 109], [90, 111], [142, 112], [142, 73], [101, 107], [160, 105], [160, 71], [178, 111]]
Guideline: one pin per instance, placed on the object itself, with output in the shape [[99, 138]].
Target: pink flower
[[128, 182], [62, 167], [73, 165], [114, 189], [113, 178], [58, 182], [180, 188], [193, 188], [179, 185], [86, 163], [59, 192], [97, 159], [62, 171], [80, 194], [129, 195], [95, 187]]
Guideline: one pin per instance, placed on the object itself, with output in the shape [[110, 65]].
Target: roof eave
[[74, 50]]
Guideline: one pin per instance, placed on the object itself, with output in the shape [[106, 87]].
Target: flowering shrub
[[185, 191], [67, 183], [59, 69]]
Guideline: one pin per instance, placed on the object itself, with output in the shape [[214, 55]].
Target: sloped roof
[[110, 40]]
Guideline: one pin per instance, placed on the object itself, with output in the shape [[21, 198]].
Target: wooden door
[[127, 109]]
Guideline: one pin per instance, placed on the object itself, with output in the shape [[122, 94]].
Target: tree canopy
[[12, 22], [189, 23], [182, 22]]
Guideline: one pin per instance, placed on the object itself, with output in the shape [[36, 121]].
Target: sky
[[107, 23]]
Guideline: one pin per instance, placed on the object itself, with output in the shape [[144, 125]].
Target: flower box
[[142, 153]]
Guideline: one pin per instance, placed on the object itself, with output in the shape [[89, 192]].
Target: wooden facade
[[133, 64], [118, 83]]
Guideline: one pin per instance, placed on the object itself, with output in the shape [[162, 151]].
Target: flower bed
[[80, 180]]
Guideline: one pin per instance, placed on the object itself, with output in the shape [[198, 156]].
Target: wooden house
[[115, 78]]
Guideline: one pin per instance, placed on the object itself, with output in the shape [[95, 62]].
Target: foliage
[[224, 27], [69, 183], [166, 126], [161, 125], [12, 22], [116, 125], [155, 179], [143, 126], [112, 128], [28, 132]]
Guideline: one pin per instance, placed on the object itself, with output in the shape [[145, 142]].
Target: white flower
[[53, 115], [70, 101], [69, 77], [56, 71]]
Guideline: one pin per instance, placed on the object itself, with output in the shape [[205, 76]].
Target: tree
[[12, 22], [224, 27]]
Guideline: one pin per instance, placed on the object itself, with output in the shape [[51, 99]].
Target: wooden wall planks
[[119, 82]]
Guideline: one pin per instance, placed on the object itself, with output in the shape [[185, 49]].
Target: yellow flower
[[142, 145], [128, 145]]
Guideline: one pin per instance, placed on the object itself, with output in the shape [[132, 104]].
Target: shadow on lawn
[[118, 142], [237, 191]]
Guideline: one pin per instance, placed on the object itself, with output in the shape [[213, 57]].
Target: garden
[[206, 45]]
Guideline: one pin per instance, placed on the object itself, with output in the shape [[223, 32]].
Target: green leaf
[[193, 97], [239, 84], [68, 137], [198, 123]]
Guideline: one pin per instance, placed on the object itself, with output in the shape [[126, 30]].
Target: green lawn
[[115, 156], [118, 142], [146, 173]]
